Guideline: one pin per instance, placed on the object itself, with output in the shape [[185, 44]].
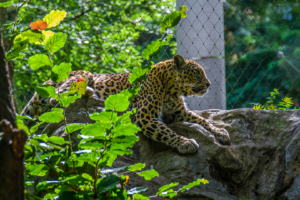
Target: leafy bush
[[274, 103], [101, 142]]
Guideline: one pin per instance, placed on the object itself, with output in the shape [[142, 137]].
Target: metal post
[[200, 36]]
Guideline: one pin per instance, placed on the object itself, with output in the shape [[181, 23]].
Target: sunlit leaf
[[54, 18], [60, 72], [6, 4], [148, 175], [55, 42], [55, 116], [46, 185], [193, 184], [39, 60], [108, 183], [38, 25], [118, 103], [136, 167]]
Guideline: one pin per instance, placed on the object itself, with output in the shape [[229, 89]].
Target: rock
[[262, 161]]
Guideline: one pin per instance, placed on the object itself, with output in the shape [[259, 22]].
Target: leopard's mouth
[[199, 90]]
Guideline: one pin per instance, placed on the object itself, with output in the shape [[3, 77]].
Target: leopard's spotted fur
[[159, 98]]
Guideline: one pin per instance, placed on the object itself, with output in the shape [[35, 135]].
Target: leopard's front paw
[[222, 136], [187, 146]]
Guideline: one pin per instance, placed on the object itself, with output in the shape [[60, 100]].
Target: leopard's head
[[190, 77]]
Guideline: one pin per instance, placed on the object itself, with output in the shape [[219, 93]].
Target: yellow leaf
[[287, 100], [54, 18], [256, 107]]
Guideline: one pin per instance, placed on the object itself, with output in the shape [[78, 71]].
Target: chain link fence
[[246, 48]]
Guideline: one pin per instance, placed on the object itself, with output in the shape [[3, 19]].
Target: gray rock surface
[[262, 161]]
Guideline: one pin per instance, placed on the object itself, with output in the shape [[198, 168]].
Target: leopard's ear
[[178, 62]]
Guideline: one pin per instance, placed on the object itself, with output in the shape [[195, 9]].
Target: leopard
[[160, 99]]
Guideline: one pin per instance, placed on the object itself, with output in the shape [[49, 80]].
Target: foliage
[[262, 50], [101, 142], [103, 36], [273, 103]]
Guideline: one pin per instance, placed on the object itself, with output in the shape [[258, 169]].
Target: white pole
[[200, 36]]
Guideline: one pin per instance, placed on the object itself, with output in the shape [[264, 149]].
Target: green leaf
[[136, 167], [54, 18], [46, 185], [138, 196], [45, 36], [6, 4], [67, 195], [97, 129], [125, 130], [195, 183], [35, 127], [77, 179], [170, 20], [153, 49], [70, 128], [56, 42], [21, 125], [148, 175], [20, 45], [136, 74], [108, 183], [104, 116], [183, 8], [60, 72], [169, 193], [37, 169], [118, 103], [166, 187], [57, 140], [46, 91], [32, 36], [39, 60], [50, 196], [55, 116], [24, 117], [67, 100]]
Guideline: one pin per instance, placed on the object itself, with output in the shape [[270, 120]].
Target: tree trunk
[[11, 141]]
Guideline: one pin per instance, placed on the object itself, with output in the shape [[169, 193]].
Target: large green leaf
[[54, 18], [56, 42], [70, 128], [148, 175], [172, 19], [108, 183], [55, 116], [46, 185], [6, 4], [97, 129], [195, 183], [46, 91], [33, 36], [39, 60], [20, 44], [137, 73], [60, 72], [35, 127], [125, 130], [104, 116], [77, 179], [139, 196], [67, 100], [118, 103], [37, 169], [166, 187], [136, 167]]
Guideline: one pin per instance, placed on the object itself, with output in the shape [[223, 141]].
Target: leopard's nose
[[207, 84]]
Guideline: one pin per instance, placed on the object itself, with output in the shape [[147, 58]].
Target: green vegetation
[[101, 142], [275, 103]]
